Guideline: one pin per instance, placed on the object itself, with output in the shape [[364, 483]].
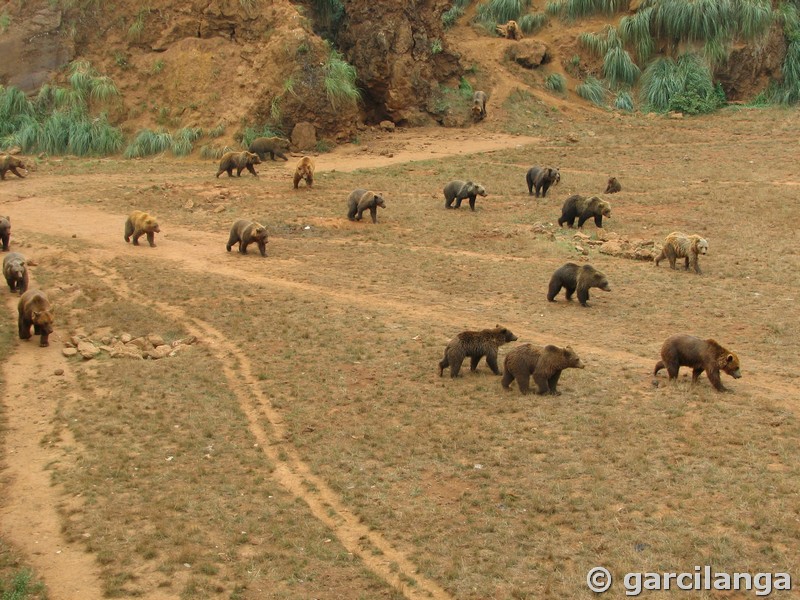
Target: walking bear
[[304, 170], [140, 223], [584, 208], [541, 178], [545, 364], [11, 163], [574, 277], [459, 190], [246, 232], [361, 200], [479, 99], [269, 145], [701, 355], [5, 232], [239, 161], [476, 345], [15, 270], [35, 310], [679, 245]]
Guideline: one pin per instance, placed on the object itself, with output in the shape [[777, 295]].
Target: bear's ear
[[729, 358], [35, 314]]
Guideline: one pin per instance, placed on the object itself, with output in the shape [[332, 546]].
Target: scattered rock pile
[[150, 346], [606, 242]]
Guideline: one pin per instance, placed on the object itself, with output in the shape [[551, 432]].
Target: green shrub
[[502, 11], [148, 142], [465, 88], [660, 82], [635, 31], [684, 85], [5, 21], [451, 15], [623, 101], [183, 140], [592, 90], [556, 82], [214, 152], [754, 18], [216, 131], [21, 587], [618, 67], [532, 22], [553, 8], [340, 81]]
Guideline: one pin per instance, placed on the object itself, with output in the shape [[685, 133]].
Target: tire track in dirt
[[391, 564]]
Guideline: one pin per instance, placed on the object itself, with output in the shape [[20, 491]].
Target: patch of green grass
[[136, 28], [684, 85], [436, 46], [593, 90], [183, 140], [532, 22], [619, 68], [5, 21], [148, 142], [635, 31], [623, 101], [22, 587], [340, 81], [555, 82], [158, 66], [451, 15], [217, 131], [502, 11], [659, 83]]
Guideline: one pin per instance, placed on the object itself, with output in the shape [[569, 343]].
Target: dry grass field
[[306, 447]]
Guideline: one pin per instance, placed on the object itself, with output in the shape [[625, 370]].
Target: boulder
[[529, 53]]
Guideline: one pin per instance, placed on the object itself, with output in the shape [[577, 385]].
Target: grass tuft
[[340, 81], [148, 142], [624, 101], [635, 31], [619, 68], [592, 90], [532, 22], [556, 83]]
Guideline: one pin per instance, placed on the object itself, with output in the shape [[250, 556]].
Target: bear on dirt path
[[361, 200], [544, 363], [476, 345], [576, 277], [35, 310], [541, 178], [5, 232], [11, 163], [15, 270], [269, 145], [140, 223], [701, 355], [460, 190], [246, 232], [679, 245], [479, 99], [239, 161], [577, 206], [304, 170]]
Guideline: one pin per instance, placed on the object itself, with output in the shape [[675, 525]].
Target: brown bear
[[460, 190], [269, 145], [613, 186], [15, 270], [574, 277], [5, 231], [238, 161], [304, 170], [246, 232], [510, 30], [584, 208], [541, 178], [476, 345], [479, 105], [701, 355], [361, 200], [545, 364], [11, 163], [679, 245], [140, 223], [34, 309]]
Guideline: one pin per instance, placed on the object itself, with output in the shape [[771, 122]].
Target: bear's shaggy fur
[[361, 200], [545, 364], [584, 208], [270, 145], [304, 170], [459, 190], [140, 223], [613, 186], [479, 99], [5, 232], [574, 277], [11, 163], [701, 355], [541, 178], [679, 245], [34, 309], [15, 270], [510, 30], [246, 232], [239, 161], [476, 345]]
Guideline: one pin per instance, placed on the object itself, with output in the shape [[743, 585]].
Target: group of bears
[[257, 152]]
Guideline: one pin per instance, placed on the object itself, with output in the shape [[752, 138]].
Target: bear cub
[[545, 364], [576, 277], [15, 270], [476, 345], [246, 232], [35, 310]]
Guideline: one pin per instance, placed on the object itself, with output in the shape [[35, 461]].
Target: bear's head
[[554, 175], [604, 208], [151, 225], [729, 363], [17, 269], [259, 232], [379, 201], [571, 360], [252, 158], [5, 223], [596, 278], [699, 245], [479, 189], [505, 333], [43, 319]]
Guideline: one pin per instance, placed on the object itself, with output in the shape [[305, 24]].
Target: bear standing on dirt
[[5, 232], [701, 355], [11, 163], [361, 200], [239, 161], [584, 208], [269, 145], [545, 364], [476, 345], [574, 277], [304, 170], [459, 190], [541, 178], [613, 186], [247, 232], [140, 223], [34, 309], [479, 99], [16, 272], [679, 245]]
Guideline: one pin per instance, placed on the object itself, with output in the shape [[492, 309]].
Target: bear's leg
[[570, 288], [491, 360], [3, 174], [583, 296], [686, 263], [5, 237], [229, 170], [443, 364], [713, 377], [553, 383], [448, 202], [543, 387], [598, 220], [262, 247], [136, 236], [660, 257], [545, 187], [243, 247], [472, 203], [43, 340], [696, 372], [128, 230], [17, 173], [530, 186], [239, 171], [151, 239], [696, 264], [672, 368], [659, 365], [252, 169], [231, 241], [359, 214], [552, 291], [524, 382], [455, 359], [458, 201], [36, 329], [474, 359], [671, 255], [373, 212], [24, 328], [508, 377]]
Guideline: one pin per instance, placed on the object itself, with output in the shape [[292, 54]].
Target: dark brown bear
[[239, 161], [461, 190], [701, 355], [11, 163], [140, 223], [247, 232], [269, 145], [15, 270], [584, 208], [574, 277], [5, 231], [34, 309], [545, 364], [475, 344], [541, 178], [613, 186], [361, 200]]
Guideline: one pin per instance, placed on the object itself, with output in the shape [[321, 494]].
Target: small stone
[[155, 339], [58, 372], [88, 350], [188, 205], [218, 209], [387, 126], [125, 338], [69, 352]]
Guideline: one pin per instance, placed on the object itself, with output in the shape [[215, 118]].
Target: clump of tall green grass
[[592, 89], [571, 10], [452, 14], [501, 11], [619, 68], [556, 83], [684, 85], [624, 101], [148, 142], [532, 22], [340, 81], [635, 31], [183, 140]]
